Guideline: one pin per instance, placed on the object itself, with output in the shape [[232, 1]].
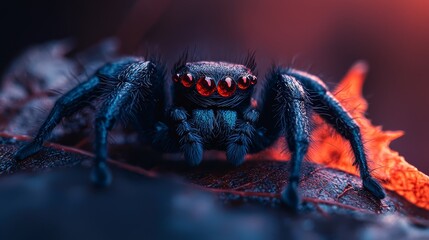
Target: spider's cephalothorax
[[215, 95], [212, 105]]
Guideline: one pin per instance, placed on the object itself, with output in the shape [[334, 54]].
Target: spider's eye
[[206, 86], [253, 79], [186, 80], [243, 82], [176, 78], [226, 87]]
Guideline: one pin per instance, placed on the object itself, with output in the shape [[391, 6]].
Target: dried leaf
[[324, 190], [61, 204]]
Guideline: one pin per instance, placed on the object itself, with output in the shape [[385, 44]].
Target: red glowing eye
[[226, 87], [206, 86], [243, 83], [253, 79], [186, 80], [176, 78]]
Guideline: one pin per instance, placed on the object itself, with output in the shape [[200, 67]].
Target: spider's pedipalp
[[237, 145], [189, 140]]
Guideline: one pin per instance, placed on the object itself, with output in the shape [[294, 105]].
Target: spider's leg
[[325, 104], [77, 98], [294, 121], [121, 85], [284, 113], [64, 106], [134, 85], [238, 143], [189, 140]]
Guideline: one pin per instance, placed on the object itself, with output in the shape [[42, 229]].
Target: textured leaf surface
[[63, 203]]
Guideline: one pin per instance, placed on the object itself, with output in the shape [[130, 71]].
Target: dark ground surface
[[49, 197]]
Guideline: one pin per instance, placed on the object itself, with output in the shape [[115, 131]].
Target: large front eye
[[206, 86], [176, 77], [243, 82], [186, 80], [226, 87]]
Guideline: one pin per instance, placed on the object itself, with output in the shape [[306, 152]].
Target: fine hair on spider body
[[213, 106]]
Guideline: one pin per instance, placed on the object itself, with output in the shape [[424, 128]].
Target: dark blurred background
[[324, 37]]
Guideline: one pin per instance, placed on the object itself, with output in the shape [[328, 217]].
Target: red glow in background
[[323, 37]]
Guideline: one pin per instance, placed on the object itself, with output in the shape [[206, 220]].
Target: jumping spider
[[212, 105]]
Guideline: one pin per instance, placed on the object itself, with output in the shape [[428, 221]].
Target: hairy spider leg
[[325, 104], [131, 86], [190, 141], [119, 85], [284, 108], [65, 106], [294, 122], [77, 98], [238, 143]]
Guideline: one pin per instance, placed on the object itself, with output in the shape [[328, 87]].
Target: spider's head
[[214, 83]]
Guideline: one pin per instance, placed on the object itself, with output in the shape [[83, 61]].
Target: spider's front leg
[[121, 86], [286, 103], [294, 122], [325, 104]]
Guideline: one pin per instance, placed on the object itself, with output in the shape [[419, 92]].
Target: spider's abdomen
[[214, 126]]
